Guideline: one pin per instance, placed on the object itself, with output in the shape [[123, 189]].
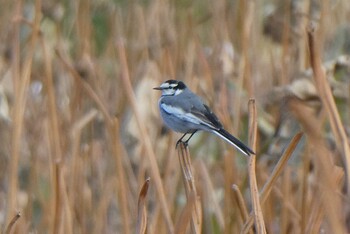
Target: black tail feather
[[234, 141]]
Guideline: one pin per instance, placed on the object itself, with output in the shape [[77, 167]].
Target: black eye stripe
[[175, 85]]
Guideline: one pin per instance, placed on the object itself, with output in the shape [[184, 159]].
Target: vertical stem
[[188, 178], [257, 212], [19, 107], [122, 190], [146, 138]]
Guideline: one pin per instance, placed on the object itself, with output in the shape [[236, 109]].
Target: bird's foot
[[185, 143]]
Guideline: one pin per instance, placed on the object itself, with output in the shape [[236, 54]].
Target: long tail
[[234, 141]]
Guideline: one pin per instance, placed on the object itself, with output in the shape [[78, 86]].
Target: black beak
[[158, 88]]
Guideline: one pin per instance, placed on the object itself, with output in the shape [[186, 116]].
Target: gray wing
[[196, 106], [208, 117], [192, 109]]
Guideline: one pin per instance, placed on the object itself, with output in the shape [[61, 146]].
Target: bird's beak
[[158, 88]]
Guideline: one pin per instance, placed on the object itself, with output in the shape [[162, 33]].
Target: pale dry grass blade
[[314, 222], [22, 81], [326, 171], [145, 137], [265, 191], [205, 176], [327, 99], [230, 175], [186, 215], [285, 219], [102, 207], [56, 205], [63, 213], [67, 209], [190, 187], [246, 13], [72, 158], [121, 185], [305, 192], [89, 90], [113, 130], [141, 226], [257, 212], [53, 117], [77, 165], [279, 167], [83, 122], [171, 177], [13, 221], [243, 211]]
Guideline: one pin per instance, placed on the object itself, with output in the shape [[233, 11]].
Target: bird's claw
[[185, 143]]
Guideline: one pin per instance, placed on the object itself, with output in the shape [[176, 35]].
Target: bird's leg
[[186, 142], [180, 140]]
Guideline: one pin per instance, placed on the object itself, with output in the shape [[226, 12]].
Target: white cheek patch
[[167, 92], [178, 91]]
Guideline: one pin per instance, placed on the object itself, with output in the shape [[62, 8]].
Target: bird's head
[[171, 87]]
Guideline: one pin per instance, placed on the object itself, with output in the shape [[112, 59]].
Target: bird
[[185, 112]]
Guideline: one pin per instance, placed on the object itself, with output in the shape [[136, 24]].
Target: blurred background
[[80, 130]]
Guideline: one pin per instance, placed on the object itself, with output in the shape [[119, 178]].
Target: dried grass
[[82, 147]]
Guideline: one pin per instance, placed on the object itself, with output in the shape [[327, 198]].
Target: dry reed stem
[[55, 141], [280, 166], [113, 130], [240, 203], [79, 125], [186, 215], [325, 169], [190, 188], [316, 215], [286, 45], [299, 29], [90, 92], [265, 191], [211, 191], [246, 14], [288, 204], [305, 191], [286, 187], [132, 180], [94, 96], [15, 62], [57, 200], [258, 216], [246, 43], [144, 136], [278, 193], [77, 164], [15, 70], [19, 108], [50, 90], [116, 145], [141, 226], [172, 176], [12, 223], [67, 210], [327, 99], [102, 208]]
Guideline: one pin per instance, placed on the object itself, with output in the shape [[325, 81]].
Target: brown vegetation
[[82, 146]]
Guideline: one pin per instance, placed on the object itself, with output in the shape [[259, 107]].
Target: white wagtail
[[183, 111]]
